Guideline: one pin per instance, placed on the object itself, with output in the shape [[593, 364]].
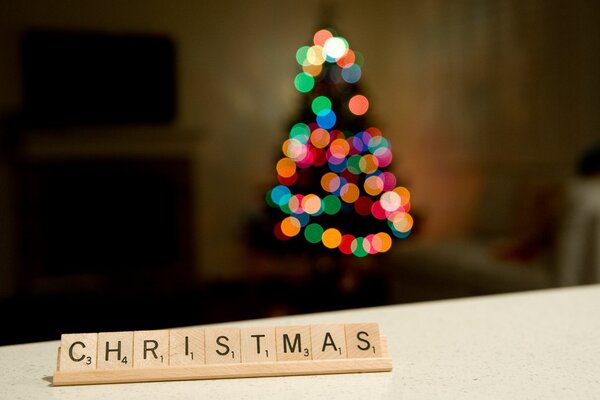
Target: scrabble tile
[[222, 345], [78, 351], [328, 341], [293, 343], [151, 349], [362, 340], [115, 350], [258, 344], [227, 352], [186, 346]]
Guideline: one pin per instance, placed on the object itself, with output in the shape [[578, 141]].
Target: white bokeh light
[[335, 47]]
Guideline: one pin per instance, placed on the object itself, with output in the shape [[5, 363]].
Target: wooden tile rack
[[220, 352]]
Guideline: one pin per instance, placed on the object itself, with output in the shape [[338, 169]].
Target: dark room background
[[143, 221]]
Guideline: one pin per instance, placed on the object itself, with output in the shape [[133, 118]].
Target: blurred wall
[[465, 90]]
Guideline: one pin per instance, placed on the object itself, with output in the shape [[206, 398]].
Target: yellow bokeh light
[[315, 55], [327, 181], [382, 242], [402, 221], [312, 70], [339, 148], [368, 163], [331, 238], [290, 226], [373, 185], [404, 195], [286, 167], [350, 193], [320, 138]]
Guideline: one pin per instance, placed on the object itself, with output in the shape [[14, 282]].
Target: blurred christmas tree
[[335, 190]]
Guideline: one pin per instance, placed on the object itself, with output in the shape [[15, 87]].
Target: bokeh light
[[331, 204], [290, 226], [335, 47], [304, 82], [331, 238], [320, 138], [351, 73], [313, 233], [320, 103], [320, 37], [312, 70], [326, 118], [358, 104], [329, 175], [390, 201], [301, 56], [346, 60], [286, 167], [316, 55], [300, 131], [311, 203], [349, 192]]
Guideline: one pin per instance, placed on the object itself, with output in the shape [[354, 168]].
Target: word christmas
[[210, 353]]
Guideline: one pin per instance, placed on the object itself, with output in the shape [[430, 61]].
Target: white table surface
[[531, 345]]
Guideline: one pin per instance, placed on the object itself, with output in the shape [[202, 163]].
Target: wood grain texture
[[258, 345], [186, 346], [229, 352], [293, 343], [328, 341], [79, 351], [223, 345], [362, 340], [151, 349], [115, 350], [220, 371]]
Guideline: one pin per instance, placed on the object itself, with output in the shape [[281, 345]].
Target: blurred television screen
[[73, 78]]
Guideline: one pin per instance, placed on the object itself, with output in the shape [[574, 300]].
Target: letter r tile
[[151, 349]]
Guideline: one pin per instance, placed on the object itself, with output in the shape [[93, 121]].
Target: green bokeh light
[[354, 164], [304, 82], [300, 132], [360, 250], [301, 56], [320, 103], [331, 204], [358, 58], [313, 233]]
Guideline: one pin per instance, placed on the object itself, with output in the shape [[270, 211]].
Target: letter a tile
[[328, 341]]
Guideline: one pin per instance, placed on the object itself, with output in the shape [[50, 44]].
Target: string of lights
[[355, 178]]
